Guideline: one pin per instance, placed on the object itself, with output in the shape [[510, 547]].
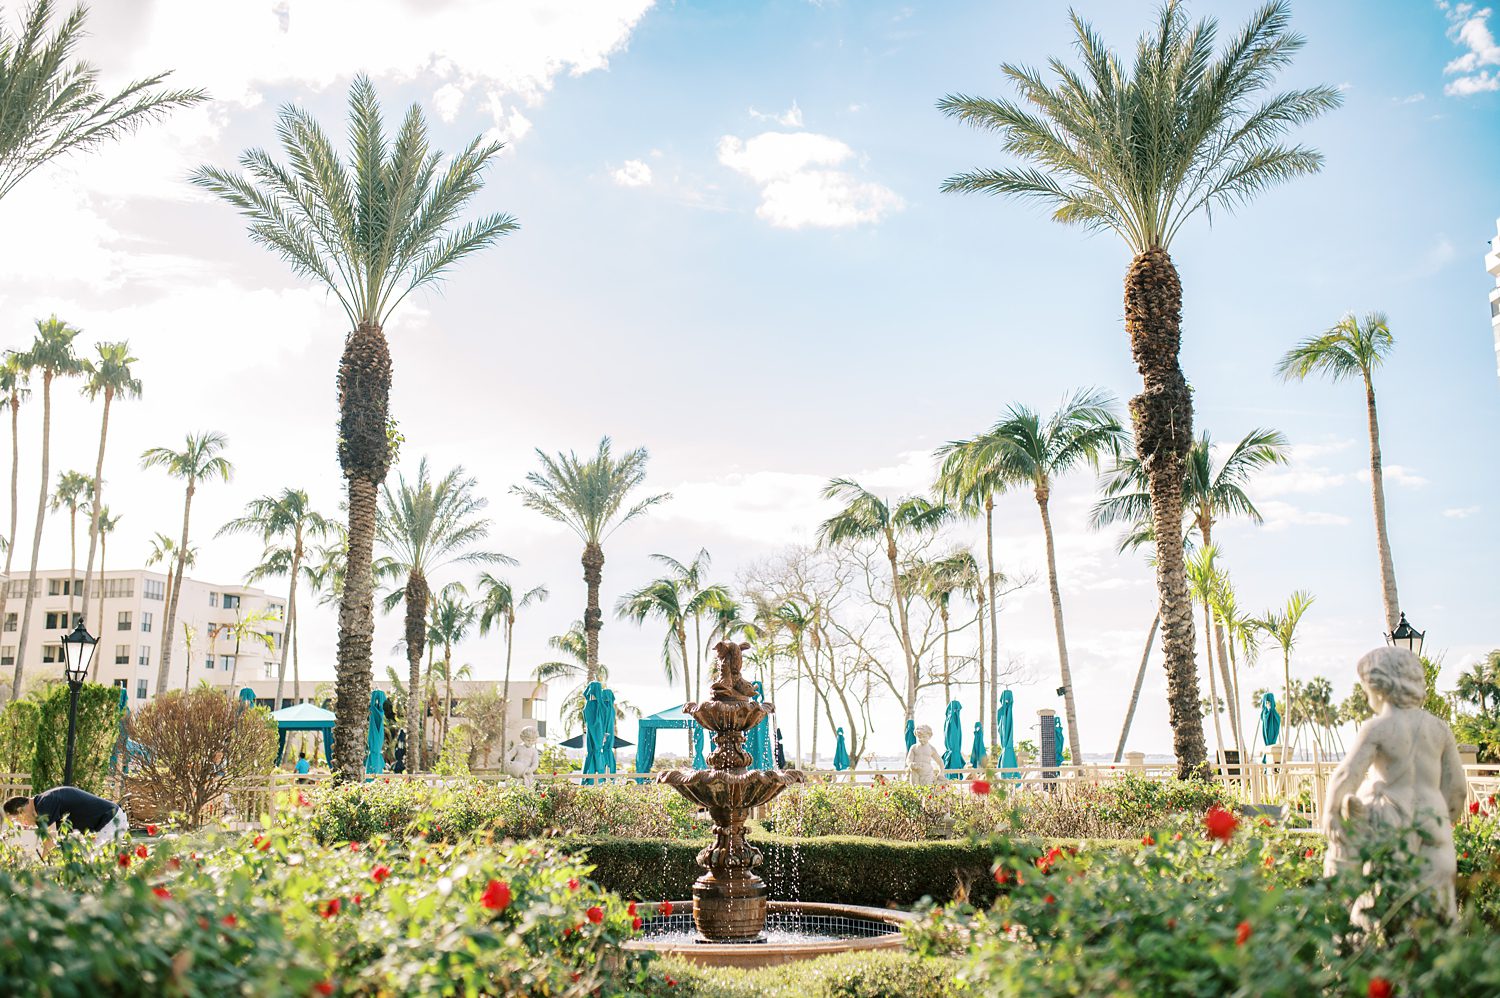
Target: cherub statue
[[524, 758], [924, 764], [1402, 773], [731, 685]]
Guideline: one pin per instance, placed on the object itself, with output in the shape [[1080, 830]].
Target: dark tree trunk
[[1163, 421], [593, 617], [417, 595], [364, 388]]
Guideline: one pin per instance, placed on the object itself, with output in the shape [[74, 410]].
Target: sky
[[734, 252]]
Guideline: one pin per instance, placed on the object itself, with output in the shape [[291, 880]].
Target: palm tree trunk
[[1286, 703], [103, 550], [10, 538], [36, 537], [989, 557], [979, 622], [187, 673], [1224, 674], [1162, 416], [687, 680], [291, 609], [296, 663], [593, 617], [447, 691], [88, 566], [417, 595], [1135, 693], [72, 561], [1213, 687], [697, 640], [1377, 494], [947, 675], [164, 669], [1042, 493], [896, 594], [801, 668]]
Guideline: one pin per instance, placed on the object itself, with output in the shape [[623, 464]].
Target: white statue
[[924, 764], [524, 758], [1402, 772]]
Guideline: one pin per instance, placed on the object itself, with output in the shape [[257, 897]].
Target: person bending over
[[77, 809]]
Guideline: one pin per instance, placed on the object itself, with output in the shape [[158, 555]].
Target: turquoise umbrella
[[758, 739], [953, 738], [375, 758], [698, 761], [595, 729], [607, 709], [911, 733], [1058, 736], [124, 740], [1270, 721], [247, 697], [1005, 720], [840, 752], [977, 753]]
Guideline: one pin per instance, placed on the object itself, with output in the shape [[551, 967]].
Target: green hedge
[[844, 975], [34, 736]]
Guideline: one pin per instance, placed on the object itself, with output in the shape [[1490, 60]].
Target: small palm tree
[[74, 492], [498, 606], [451, 617], [589, 497], [1203, 579], [200, 460], [574, 666], [107, 525], [1281, 627], [1354, 348], [189, 635], [109, 376], [867, 518], [372, 230], [1037, 452], [937, 580], [248, 627], [52, 356], [699, 597], [14, 373], [164, 552], [285, 524], [425, 525], [663, 599], [1138, 151]]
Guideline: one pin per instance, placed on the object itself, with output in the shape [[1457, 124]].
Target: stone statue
[[1402, 773], [731, 685], [524, 758], [924, 764]]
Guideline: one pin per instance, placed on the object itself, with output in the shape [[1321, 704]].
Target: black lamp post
[[78, 653], [1406, 636]]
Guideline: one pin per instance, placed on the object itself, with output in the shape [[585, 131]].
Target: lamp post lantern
[[78, 654], [1406, 636]]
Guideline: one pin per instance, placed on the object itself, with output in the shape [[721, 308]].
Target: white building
[[128, 623], [1492, 264]]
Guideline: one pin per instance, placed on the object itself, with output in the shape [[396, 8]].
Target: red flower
[[174, 864], [152, 829], [1220, 823], [635, 923], [630, 908], [161, 892], [496, 896], [332, 907], [1242, 933], [1171, 923], [359, 899], [380, 873], [230, 921], [302, 800], [1311, 852], [1148, 841], [595, 914], [665, 908], [324, 987], [142, 851], [1380, 988], [261, 842], [671, 983], [1270, 860], [124, 860], [354, 847], [573, 883], [980, 787], [1049, 899], [1473, 807]]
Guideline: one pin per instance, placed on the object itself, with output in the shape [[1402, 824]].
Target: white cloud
[[1469, 29], [1415, 98], [632, 173], [790, 118], [798, 186], [1281, 515], [448, 99], [1460, 512]]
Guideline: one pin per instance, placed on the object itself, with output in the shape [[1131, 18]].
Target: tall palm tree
[[867, 518], [452, 614], [52, 356], [1203, 579], [74, 492], [285, 524], [699, 597], [798, 620], [574, 665], [109, 376], [372, 230], [1037, 452], [1281, 627], [665, 599], [164, 552], [107, 525], [1138, 150], [498, 605], [937, 580], [199, 460], [1355, 347], [246, 627], [588, 496], [14, 374], [424, 525]]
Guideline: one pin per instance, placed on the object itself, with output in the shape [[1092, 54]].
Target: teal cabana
[[303, 717], [645, 738]]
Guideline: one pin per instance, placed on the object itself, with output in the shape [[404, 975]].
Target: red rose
[[161, 892], [324, 987], [595, 914], [1049, 899], [665, 909], [124, 860], [302, 800], [980, 787], [359, 899], [230, 921], [332, 907], [142, 851], [671, 983], [174, 864], [1311, 852], [1220, 823], [496, 896], [1380, 988], [380, 873], [1148, 841], [1473, 807], [261, 842], [630, 908], [151, 829], [354, 847], [635, 923], [573, 883], [1242, 933]]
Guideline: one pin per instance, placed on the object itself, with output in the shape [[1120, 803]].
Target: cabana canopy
[[303, 717], [645, 748]]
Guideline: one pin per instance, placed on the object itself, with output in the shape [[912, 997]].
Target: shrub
[[843, 975], [98, 730], [18, 723]]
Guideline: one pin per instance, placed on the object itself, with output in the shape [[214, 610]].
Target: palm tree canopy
[[867, 517], [1352, 348], [164, 549], [426, 524], [969, 475], [1139, 150], [50, 104], [1281, 625], [450, 616], [663, 599], [588, 495], [374, 228], [73, 492], [199, 459], [1032, 450], [111, 374], [278, 516], [498, 602], [15, 372], [52, 350]]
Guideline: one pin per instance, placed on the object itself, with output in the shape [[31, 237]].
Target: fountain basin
[[795, 930]]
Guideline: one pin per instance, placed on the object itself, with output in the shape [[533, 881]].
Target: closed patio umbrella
[[780, 751], [595, 729], [1006, 724], [976, 752], [375, 758], [758, 738], [1270, 721], [911, 733], [840, 752], [953, 738], [1057, 728]]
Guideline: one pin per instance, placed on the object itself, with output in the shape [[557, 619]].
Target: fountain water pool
[[794, 930]]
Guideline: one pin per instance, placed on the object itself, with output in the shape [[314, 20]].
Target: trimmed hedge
[[843, 975]]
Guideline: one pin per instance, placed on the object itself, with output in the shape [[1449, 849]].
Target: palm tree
[[1354, 347], [663, 598], [189, 635], [866, 517], [109, 376], [52, 355], [14, 373], [451, 617], [424, 525], [164, 552], [1281, 626], [498, 605], [574, 666], [74, 491], [800, 623], [371, 230], [1203, 579], [699, 597], [588, 496], [1036, 452], [107, 525], [937, 580], [285, 523], [199, 460], [247, 627], [1138, 151]]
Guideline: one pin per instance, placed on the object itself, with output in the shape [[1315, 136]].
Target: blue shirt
[[303, 766]]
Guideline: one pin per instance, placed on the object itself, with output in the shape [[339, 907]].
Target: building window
[[231, 602], [124, 621], [225, 661], [140, 689], [57, 620], [122, 684], [208, 663], [526, 709], [145, 622], [10, 622], [213, 600], [145, 656], [8, 655], [17, 587], [122, 654], [64, 587], [52, 653], [270, 671], [119, 588], [154, 589]]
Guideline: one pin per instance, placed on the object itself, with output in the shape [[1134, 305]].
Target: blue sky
[[734, 252]]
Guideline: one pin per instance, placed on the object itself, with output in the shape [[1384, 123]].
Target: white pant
[[118, 828]]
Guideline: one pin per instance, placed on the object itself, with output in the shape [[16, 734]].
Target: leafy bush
[[98, 730], [18, 723], [844, 975], [1477, 842]]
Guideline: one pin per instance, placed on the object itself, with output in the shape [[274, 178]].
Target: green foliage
[[453, 760], [1476, 840], [18, 726], [1480, 731], [842, 975], [98, 731], [556, 761]]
